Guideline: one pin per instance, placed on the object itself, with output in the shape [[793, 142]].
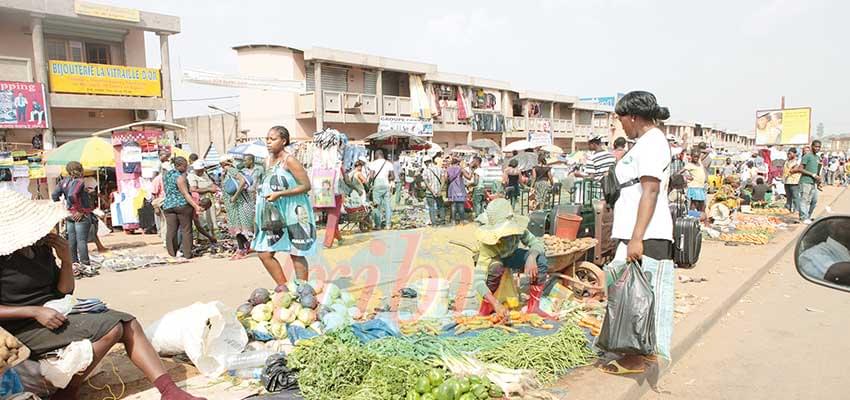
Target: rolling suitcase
[[687, 241]]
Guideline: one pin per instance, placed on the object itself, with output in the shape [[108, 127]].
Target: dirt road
[[786, 339]]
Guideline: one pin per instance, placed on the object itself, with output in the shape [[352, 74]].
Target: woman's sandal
[[620, 370]]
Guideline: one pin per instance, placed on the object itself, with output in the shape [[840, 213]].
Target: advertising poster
[[790, 126], [322, 192], [22, 105], [538, 139]]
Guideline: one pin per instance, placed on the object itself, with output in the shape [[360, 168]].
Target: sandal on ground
[[620, 370]]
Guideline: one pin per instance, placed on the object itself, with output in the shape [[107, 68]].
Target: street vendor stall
[[135, 149]]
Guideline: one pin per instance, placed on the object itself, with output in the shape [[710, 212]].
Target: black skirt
[[41, 340]]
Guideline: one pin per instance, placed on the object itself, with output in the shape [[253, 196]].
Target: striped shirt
[[598, 163]]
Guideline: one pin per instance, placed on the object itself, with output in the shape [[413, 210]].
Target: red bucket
[[568, 226]]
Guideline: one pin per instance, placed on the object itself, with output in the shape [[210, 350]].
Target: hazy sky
[[714, 62]]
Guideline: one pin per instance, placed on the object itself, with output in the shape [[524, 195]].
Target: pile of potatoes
[[557, 245], [12, 351]]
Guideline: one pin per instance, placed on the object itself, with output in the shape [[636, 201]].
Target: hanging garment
[[462, 110]]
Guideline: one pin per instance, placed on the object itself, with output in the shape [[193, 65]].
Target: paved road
[[785, 339]]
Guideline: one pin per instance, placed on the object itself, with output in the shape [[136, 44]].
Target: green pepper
[[466, 396], [422, 385], [413, 395], [427, 396], [480, 391], [435, 376], [496, 391], [474, 380], [463, 385]]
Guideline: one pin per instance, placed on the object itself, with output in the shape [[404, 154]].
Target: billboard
[[789, 126], [22, 105], [118, 80]]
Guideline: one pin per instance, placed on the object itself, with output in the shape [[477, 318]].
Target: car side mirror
[[822, 255]]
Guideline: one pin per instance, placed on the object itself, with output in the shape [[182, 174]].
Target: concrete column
[[165, 71], [320, 97], [41, 76], [379, 89]]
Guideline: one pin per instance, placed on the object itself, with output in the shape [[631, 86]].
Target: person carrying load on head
[[499, 238]]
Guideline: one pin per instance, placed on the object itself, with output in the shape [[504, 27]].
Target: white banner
[[416, 126], [538, 139], [241, 81]]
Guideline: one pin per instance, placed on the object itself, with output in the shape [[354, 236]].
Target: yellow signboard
[[783, 127], [107, 12], [76, 77]]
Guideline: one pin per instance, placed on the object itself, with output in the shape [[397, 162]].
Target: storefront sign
[[22, 105], [106, 12], [538, 139], [416, 126], [77, 77]]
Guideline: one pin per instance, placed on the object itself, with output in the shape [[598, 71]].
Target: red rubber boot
[[533, 306]]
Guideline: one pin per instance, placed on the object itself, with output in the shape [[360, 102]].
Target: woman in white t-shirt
[[642, 220]]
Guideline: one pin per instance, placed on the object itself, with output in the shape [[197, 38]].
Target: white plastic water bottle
[[248, 359], [247, 373]]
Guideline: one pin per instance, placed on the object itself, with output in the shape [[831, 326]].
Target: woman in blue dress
[[284, 215]]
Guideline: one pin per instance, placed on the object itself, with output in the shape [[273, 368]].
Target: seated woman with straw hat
[[499, 238], [30, 278]]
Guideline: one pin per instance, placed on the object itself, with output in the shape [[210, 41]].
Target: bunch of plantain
[[591, 323]]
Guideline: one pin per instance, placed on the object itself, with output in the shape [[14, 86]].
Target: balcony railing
[[515, 124], [350, 103], [562, 125], [583, 132], [306, 102], [395, 105]]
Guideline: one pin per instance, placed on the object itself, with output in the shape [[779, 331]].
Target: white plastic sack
[[74, 358], [63, 305], [207, 332], [102, 229]]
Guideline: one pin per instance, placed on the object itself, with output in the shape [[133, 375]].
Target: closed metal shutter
[[334, 78], [370, 82], [311, 77]]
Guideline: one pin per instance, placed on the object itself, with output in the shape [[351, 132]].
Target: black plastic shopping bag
[[629, 325]]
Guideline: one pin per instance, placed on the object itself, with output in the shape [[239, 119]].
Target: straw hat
[[499, 221], [26, 221]]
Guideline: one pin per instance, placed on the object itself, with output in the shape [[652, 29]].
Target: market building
[[839, 143], [78, 67], [360, 94]]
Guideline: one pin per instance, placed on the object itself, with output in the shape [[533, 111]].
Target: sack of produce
[[629, 324]]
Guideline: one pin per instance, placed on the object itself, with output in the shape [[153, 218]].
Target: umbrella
[[92, 152], [387, 135], [519, 145], [551, 148], [257, 149], [483, 144], [525, 161], [464, 149], [435, 148]]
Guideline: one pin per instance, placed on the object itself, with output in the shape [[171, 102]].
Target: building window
[[97, 53], [76, 51], [57, 50]]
